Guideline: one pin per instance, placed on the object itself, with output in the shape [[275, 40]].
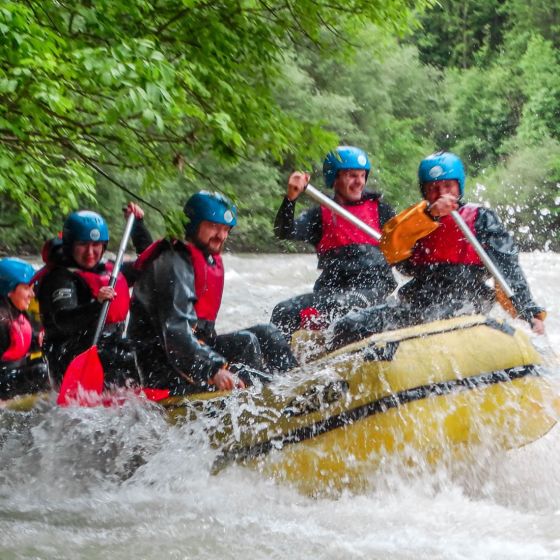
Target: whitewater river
[[64, 492]]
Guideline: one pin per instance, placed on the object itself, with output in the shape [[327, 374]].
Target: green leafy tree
[[525, 188], [484, 107], [540, 84], [381, 99], [131, 87], [529, 17], [453, 33]]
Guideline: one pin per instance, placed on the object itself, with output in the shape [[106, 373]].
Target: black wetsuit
[[353, 276], [70, 315], [439, 291], [177, 351]]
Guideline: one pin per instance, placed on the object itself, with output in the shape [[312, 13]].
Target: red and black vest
[[208, 283], [119, 306], [208, 277], [447, 244], [20, 339], [338, 232]]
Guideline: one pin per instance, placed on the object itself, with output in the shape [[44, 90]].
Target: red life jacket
[[118, 309], [338, 232], [447, 244], [20, 339], [208, 283], [208, 278]]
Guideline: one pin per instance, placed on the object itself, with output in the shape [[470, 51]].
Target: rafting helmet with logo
[[84, 226], [442, 166], [13, 272], [209, 206], [344, 157]]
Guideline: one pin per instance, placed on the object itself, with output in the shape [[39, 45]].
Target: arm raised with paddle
[[85, 373], [354, 272]]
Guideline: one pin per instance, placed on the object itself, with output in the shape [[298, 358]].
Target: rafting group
[[152, 320]]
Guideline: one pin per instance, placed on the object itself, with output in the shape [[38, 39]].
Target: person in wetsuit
[[175, 304], [354, 272], [20, 373], [72, 288], [448, 277]]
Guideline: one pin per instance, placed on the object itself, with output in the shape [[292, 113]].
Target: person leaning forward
[[354, 272], [175, 304], [448, 277]]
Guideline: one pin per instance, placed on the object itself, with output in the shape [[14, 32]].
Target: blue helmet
[[442, 166], [213, 207], [12, 273], [344, 157], [85, 226]]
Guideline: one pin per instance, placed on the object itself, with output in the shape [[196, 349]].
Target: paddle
[[324, 200], [488, 263], [85, 372]]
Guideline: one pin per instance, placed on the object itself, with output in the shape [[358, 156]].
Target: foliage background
[[109, 101]]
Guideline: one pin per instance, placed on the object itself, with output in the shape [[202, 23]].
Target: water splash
[[144, 488]]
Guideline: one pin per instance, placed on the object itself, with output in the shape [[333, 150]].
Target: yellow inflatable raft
[[439, 390]]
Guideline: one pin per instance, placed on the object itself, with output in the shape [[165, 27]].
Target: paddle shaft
[[113, 279], [492, 268], [324, 200]]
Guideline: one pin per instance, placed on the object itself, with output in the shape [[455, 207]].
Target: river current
[[123, 484]]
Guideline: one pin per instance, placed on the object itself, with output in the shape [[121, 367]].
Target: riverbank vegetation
[[151, 100]]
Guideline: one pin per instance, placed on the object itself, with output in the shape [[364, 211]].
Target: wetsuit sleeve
[[141, 239], [401, 233], [174, 290], [141, 236], [130, 272], [60, 297], [386, 213], [307, 227], [501, 248]]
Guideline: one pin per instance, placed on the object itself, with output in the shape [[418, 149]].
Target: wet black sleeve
[[141, 236], [61, 297], [501, 248], [130, 273], [306, 228], [141, 239], [176, 316], [386, 212]]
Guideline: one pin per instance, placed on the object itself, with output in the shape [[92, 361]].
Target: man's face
[[349, 185], [87, 254], [436, 189], [212, 236]]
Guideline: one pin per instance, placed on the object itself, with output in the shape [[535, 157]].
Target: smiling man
[[176, 302], [354, 272], [427, 244]]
